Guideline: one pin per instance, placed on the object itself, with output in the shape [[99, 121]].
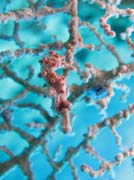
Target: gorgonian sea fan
[[76, 121]]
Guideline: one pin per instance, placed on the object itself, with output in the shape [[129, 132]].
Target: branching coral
[[32, 112]]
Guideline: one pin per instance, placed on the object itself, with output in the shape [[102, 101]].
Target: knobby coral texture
[[66, 89]]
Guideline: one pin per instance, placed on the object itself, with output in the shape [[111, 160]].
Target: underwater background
[[32, 143]]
